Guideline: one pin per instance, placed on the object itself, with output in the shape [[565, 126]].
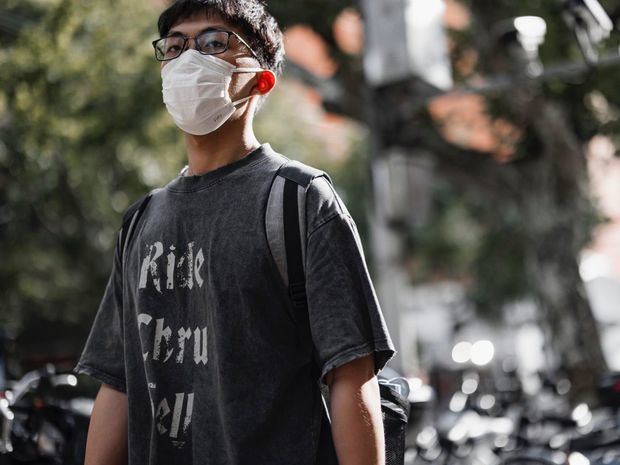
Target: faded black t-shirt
[[196, 327]]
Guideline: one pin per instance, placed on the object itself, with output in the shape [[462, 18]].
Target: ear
[[265, 82]]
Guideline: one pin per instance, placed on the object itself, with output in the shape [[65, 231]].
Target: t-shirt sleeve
[[103, 356], [346, 320]]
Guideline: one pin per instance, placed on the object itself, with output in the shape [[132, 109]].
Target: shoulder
[[138, 205], [294, 170], [300, 173], [322, 201], [133, 208], [132, 211]]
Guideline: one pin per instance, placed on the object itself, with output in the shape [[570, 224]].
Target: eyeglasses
[[209, 42]]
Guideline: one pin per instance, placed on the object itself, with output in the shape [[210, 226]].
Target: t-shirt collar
[[185, 183]]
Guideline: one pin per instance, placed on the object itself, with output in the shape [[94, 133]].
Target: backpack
[[285, 225]]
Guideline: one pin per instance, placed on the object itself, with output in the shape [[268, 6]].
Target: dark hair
[[258, 27]]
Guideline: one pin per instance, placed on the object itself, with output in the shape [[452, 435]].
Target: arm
[[107, 432], [355, 412]]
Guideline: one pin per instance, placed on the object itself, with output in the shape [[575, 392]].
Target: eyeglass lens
[[208, 43]]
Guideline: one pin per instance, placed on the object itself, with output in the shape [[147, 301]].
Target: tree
[[543, 184], [82, 135], [530, 190]]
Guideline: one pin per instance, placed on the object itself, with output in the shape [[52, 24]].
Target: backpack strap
[[286, 232], [285, 223], [299, 176], [300, 173], [293, 245]]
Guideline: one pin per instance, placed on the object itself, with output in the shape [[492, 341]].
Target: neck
[[229, 143]]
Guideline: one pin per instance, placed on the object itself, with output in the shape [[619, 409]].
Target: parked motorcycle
[[43, 420], [495, 423]]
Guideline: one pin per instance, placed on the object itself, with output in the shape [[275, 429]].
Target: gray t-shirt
[[196, 327]]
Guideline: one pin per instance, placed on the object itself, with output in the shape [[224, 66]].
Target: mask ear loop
[[241, 100], [245, 70]]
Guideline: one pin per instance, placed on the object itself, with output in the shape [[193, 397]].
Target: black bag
[[395, 408]]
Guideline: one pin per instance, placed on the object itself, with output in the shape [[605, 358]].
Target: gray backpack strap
[[285, 234], [302, 175]]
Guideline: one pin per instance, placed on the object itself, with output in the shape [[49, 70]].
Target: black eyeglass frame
[[186, 39]]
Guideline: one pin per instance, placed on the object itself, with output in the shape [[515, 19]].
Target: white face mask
[[195, 91]]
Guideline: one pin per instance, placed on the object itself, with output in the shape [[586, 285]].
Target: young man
[[193, 340]]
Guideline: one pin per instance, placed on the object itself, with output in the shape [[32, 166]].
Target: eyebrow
[[217, 27]]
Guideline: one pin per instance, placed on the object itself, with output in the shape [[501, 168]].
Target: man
[[193, 341]]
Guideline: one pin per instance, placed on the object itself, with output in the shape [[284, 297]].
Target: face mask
[[195, 91]]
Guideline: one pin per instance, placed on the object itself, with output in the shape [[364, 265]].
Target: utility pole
[[404, 40]]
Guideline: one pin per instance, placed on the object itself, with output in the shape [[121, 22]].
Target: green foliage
[[445, 247], [499, 268], [559, 48], [352, 180], [14, 15], [82, 134]]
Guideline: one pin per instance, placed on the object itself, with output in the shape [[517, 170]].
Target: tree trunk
[[571, 330], [556, 205]]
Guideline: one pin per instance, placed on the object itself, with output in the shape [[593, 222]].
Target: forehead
[[199, 21]]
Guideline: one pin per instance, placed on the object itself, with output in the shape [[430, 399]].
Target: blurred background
[[474, 142]]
